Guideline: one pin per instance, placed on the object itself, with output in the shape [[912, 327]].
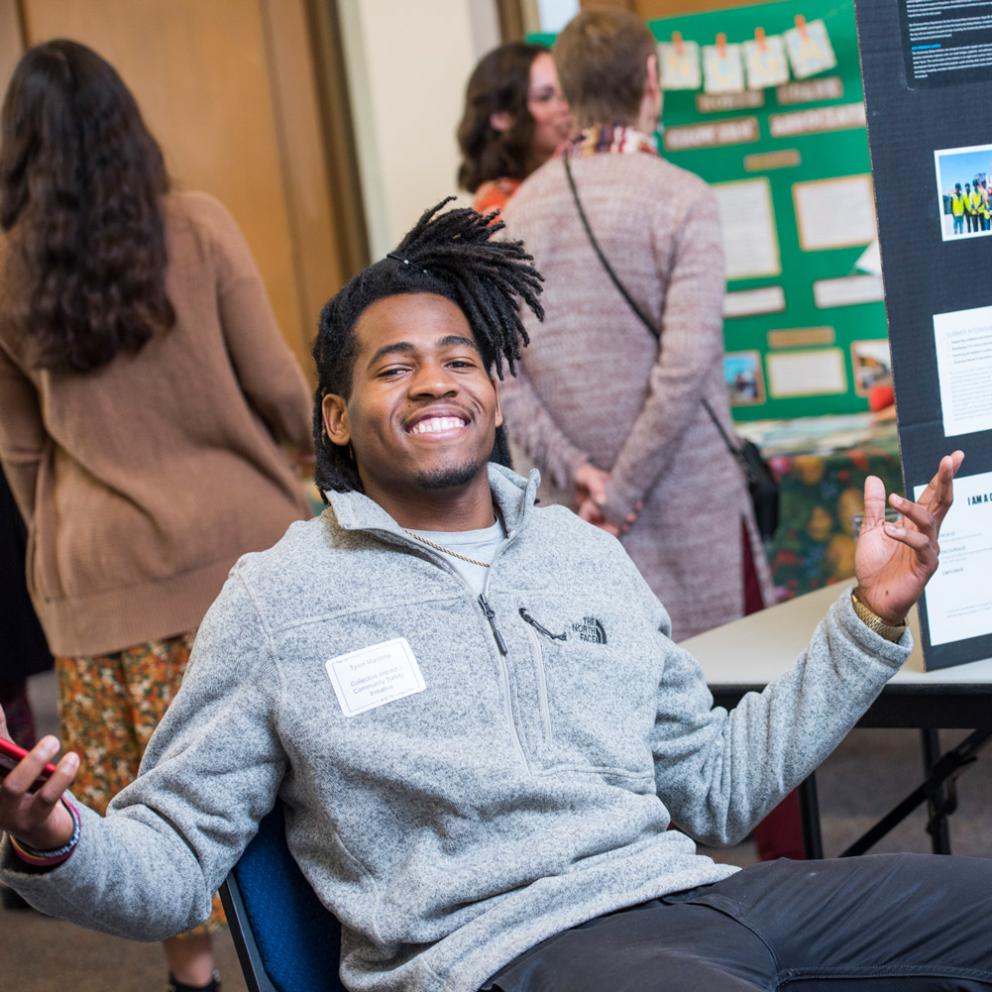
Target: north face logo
[[590, 630]]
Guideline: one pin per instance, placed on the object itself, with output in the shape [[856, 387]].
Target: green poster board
[[791, 168]]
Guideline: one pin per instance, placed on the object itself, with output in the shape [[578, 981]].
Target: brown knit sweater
[[142, 482]]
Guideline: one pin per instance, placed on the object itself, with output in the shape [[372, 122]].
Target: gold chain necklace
[[444, 550]]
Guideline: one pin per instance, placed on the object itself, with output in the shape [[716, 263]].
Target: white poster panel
[[964, 369], [959, 596]]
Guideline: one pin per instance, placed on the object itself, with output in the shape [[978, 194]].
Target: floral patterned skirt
[[108, 707]]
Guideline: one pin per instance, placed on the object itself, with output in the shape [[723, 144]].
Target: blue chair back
[[286, 940]]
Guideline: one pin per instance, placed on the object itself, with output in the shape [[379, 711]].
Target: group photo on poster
[[963, 191]]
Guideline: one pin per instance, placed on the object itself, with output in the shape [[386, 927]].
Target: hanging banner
[[765, 103], [789, 164]]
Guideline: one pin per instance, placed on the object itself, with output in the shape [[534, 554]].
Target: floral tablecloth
[[821, 463]]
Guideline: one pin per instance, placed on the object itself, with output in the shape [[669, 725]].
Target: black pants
[[886, 923]]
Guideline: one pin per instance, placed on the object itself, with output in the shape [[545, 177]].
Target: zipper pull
[[539, 627], [490, 615]]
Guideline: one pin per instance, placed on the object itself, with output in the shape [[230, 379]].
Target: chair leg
[[809, 805]]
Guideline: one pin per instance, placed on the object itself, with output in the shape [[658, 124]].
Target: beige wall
[[407, 68], [407, 65]]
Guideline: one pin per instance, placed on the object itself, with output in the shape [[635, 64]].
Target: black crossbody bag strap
[[632, 303]]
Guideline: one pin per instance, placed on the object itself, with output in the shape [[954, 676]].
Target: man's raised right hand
[[38, 819]]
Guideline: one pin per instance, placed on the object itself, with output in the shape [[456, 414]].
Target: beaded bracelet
[[49, 859]]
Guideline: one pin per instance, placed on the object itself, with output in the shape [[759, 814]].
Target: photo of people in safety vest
[[964, 185]]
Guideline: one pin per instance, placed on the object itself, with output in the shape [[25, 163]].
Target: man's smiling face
[[423, 409]]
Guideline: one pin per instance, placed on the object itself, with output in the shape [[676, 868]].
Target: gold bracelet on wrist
[[891, 632]]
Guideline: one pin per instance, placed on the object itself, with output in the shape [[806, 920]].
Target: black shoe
[[212, 986]]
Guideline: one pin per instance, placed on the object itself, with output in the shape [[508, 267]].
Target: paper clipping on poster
[[835, 213], [720, 103], [747, 219], [959, 596], [736, 131], [787, 158], [964, 369], [847, 291], [743, 378], [806, 373], [765, 62], [809, 49], [679, 63], [841, 117], [747, 302], [723, 71], [872, 362], [829, 88], [801, 337], [871, 260]]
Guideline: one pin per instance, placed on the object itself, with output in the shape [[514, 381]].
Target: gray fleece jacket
[[517, 795]]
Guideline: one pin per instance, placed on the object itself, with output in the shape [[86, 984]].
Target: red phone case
[[11, 754]]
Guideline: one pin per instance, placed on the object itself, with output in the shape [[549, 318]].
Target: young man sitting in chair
[[475, 719]]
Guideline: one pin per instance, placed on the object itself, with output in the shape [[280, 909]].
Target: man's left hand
[[894, 561]]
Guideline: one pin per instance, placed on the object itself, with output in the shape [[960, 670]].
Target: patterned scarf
[[609, 138]]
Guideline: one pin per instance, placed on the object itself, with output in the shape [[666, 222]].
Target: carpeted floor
[[869, 773]]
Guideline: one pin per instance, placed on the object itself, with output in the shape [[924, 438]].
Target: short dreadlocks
[[450, 254]]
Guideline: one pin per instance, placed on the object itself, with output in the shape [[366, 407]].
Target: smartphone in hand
[[11, 755]]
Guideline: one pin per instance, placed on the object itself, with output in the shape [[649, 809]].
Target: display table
[[821, 464], [747, 654]]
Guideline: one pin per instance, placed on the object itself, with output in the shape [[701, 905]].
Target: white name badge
[[374, 676]]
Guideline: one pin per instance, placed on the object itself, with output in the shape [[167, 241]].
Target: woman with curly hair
[[515, 117], [146, 395]]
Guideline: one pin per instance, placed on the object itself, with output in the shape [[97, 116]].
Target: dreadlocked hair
[[450, 254]]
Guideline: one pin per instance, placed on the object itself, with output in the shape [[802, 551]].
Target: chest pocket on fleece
[[600, 684]]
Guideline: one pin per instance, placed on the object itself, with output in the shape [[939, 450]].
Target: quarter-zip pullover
[[528, 788]]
